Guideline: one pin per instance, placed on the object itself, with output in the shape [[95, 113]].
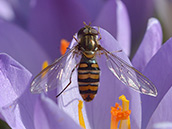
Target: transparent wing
[[129, 75], [53, 75]]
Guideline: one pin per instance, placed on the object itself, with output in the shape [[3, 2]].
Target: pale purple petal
[[159, 71], [162, 113], [22, 47], [107, 17], [47, 115], [98, 110], [150, 44], [16, 105], [123, 27], [54, 20], [14, 78]]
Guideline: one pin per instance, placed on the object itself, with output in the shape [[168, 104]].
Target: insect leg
[[69, 81], [76, 39], [103, 50], [99, 34]]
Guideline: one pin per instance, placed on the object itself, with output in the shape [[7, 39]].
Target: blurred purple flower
[[21, 46]]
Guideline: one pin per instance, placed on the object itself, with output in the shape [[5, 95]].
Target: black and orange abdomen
[[88, 78]]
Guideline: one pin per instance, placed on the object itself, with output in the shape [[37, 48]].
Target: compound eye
[[81, 32], [94, 31]]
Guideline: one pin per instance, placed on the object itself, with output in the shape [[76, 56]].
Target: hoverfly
[[85, 52]]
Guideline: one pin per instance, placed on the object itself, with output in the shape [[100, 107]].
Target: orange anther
[[64, 46]]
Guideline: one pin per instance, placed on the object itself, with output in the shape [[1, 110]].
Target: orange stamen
[[64, 46], [118, 114]]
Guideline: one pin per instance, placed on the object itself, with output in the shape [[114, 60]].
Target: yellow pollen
[[44, 65], [81, 118], [119, 113], [64, 45]]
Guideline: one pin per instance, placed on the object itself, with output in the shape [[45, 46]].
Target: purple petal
[[49, 116], [123, 27], [14, 78], [139, 12], [18, 44], [162, 113], [159, 71], [150, 45], [53, 20], [107, 17], [16, 105]]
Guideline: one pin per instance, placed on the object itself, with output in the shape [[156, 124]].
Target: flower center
[[64, 45], [121, 114]]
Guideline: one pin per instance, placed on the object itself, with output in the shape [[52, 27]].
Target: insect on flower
[[82, 57]]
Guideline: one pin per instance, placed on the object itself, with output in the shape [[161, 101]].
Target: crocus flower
[[95, 111], [107, 95], [95, 115], [151, 112], [153, 31], [25, 62]]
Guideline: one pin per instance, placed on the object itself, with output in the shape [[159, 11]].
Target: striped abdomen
[[88, 78]]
